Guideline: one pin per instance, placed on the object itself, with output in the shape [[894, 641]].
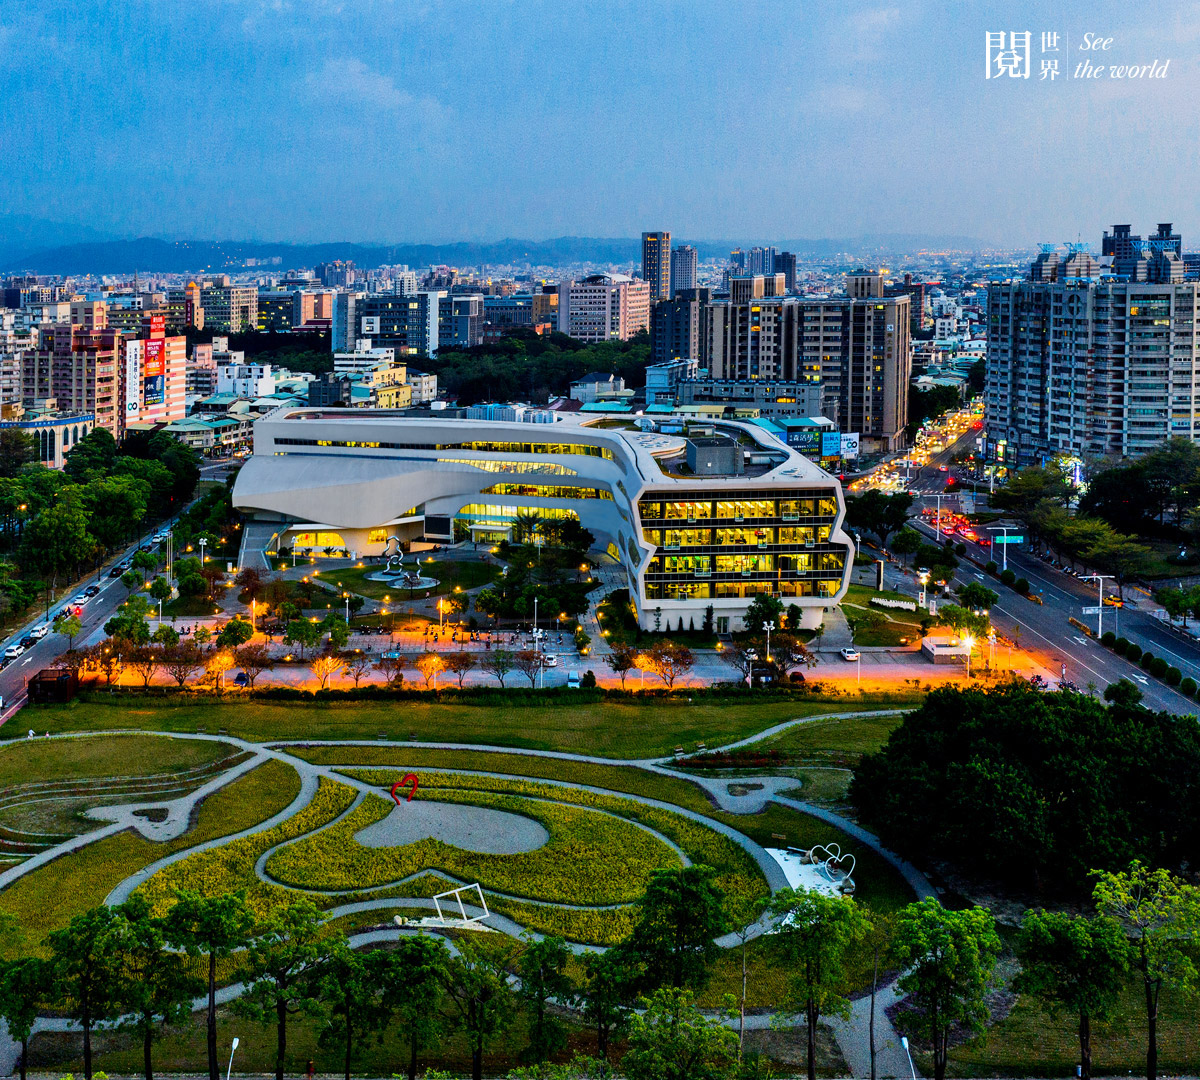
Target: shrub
[[1173, 676], [1121, 646], [1188, 687], [1008, 577], [1147, 660], [991, 567], [1021, 585], [1133, 652], [1108, 638], [588, 681], [1158, 667], [960, 549]]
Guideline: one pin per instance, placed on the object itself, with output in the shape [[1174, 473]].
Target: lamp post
[[969, 642], [904, 1043], [1002, 529], [203, 545], [232, 1049], [1100, 579], [924, 579], [768, 626]]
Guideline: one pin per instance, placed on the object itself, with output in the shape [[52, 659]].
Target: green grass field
[[48, 897], [615, 729], [40, 760], [839, 742]]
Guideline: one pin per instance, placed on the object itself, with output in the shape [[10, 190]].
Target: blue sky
[[395, 120]]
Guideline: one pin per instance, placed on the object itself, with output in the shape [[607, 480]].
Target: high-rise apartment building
[[154, 383], [81, 369], [460, 321], [677, 326], [857, 347], [785, 264], [684, 265], [604, 307], [1089, 360], [656, 264], [345, 330], [408, 324]]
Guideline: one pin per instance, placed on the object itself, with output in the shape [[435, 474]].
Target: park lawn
[[839, 741], [50, 896], [876, 627], [106, 757], [191, 607], [861, 595], [637, 728], [464, 574], [1032, 1042]]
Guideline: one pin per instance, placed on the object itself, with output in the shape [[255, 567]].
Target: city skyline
[[221, 121]]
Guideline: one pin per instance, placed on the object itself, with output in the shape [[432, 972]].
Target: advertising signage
[[806, 440], [154, 373], [831, 443], [133, 379]]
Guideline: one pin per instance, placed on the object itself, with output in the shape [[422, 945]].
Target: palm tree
[[527, 526]]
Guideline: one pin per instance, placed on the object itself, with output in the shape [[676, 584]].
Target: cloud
[[874, 20], [351, 81]]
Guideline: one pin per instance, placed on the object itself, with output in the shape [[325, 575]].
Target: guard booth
[[53, 686]]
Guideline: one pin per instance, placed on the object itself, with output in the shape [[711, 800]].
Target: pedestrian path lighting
[[232, 1049], [969, 642], [768, 626]]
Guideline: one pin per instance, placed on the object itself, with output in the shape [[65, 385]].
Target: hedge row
[[1154, 665]]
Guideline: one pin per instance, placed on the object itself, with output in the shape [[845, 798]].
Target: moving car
[[849, 653], [116, 571], [13, 651], [81, 599], [91, 590]]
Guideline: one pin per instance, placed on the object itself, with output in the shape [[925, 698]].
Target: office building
[[656, 264], [684, 265], [350, 480], [330, 389], [229, 309], [408, 324], [604, 307], [663, 380], [770, 397], [460, 321], [677, 326], [345, 330], [1087, 361], [245, 380], [785, 264]]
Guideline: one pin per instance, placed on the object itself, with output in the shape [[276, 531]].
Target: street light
[[768, 626], [969, 642], [1004, 543], [904, 1043], [1100, 579], [229, 1071]]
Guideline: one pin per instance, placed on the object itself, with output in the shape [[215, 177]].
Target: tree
[[948, 957], [679, 915], [86, 971], [56, 541], [669, 661], [69, 626], [253, 660], [1159, 914], [878, 513], [763, 608], [477, 988], [498, 663], [1123, 692], [324, 666], [213, 927], [392, 669], [622, 659], [460, 664], [17, 449], [283, 960], [129, 623], [145, 660], [25, 984], [166, 636], [1119, 555], [906, 542], [962, 620], [742, 659], [1073, 964], [542, 968], [673, 1040], [529, 663], [339, 632], [251, 581], [234, 633], [429, 664], [154, 990], [303, 633], [183, 660], [95, 453], [357, 664], [414, 978], [216, 665], [790, 654], [974, 595], [349, 989], [813, 938], [607, 993]]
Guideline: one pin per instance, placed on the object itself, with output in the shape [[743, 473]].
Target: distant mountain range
[[43, 247]]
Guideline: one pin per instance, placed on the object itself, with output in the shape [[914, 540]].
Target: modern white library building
[[699, 515]]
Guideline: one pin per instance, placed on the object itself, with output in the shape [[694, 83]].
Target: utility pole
[[1002, 529], [1100, 579]]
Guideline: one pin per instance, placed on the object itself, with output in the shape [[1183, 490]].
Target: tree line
[[122, 966]]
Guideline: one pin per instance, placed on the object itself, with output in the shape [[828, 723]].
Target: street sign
[[1008, 539], [1092, 610]]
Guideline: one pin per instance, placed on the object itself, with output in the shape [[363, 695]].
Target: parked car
[[28, 641], [849, 653], [549, 660], [13, 651], [572, 680], [39, 632]]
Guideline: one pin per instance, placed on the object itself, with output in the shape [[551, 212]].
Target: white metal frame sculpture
[[457, 894]]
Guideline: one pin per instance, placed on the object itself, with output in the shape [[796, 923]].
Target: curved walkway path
[[851, 1034]]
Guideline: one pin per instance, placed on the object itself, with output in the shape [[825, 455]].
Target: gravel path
[[475, 828]]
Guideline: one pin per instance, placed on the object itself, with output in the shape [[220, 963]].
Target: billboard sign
[[133, 379], [850, 442], [831, 443], [154, 373], [805, 440]]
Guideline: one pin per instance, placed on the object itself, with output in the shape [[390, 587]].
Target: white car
[[81, 599], [158, 538], [39, 632], [13, 651], [549, 660], [849, 654]]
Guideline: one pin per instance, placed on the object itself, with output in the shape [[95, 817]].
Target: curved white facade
[[349, 479]]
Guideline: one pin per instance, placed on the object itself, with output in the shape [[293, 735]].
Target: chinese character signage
[[133, 378], [831, 443], [1008, 54]]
